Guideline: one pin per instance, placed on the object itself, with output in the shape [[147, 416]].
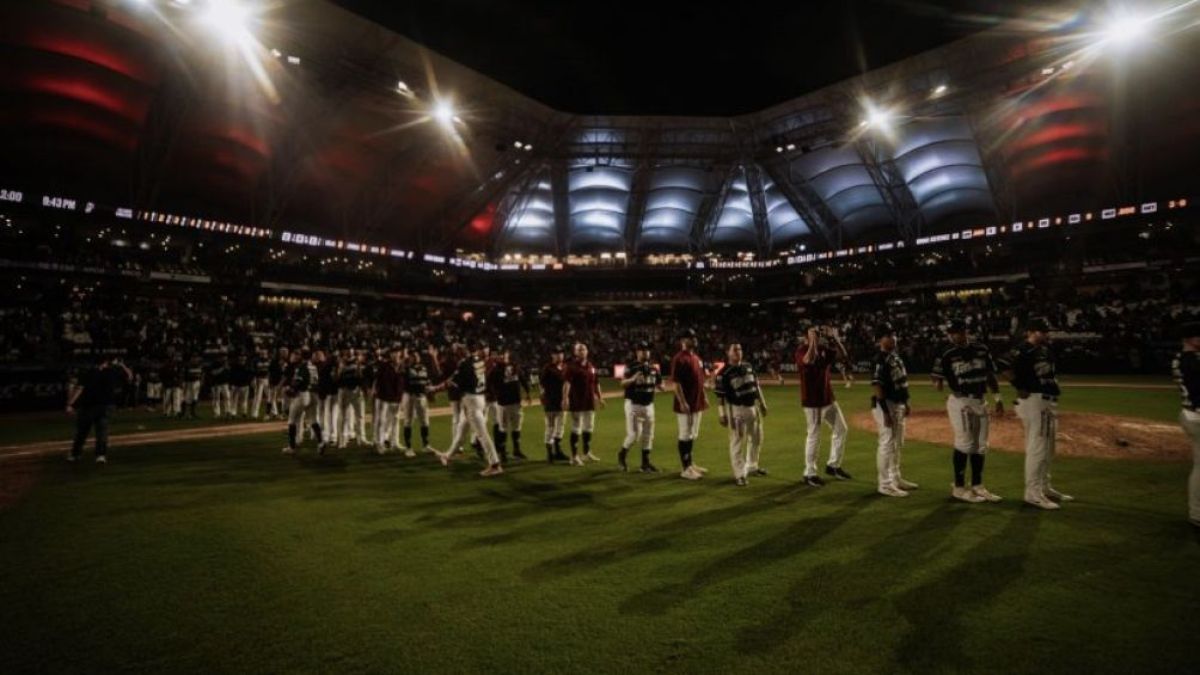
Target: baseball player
[[471, 380], [550, 380], [688, 375], [154, 386], [348, 376], [889, 407], [327, 390], [261, 383], [581, 391], [240, 379], [507, 380], [1186, 368], [193, 377], [218, 377], [642, 380], [172, 379], [414, 405], [1030, 369], [968, 369], [278, 382], [742, 409], [303, 401], [389, 393], [817, 354]]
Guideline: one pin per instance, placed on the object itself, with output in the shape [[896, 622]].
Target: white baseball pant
[[327, 416], [473, 417], [745, 439], [969, 420], [891, 442], [261, 386], [1190, 420], [1040, 419], [172, 400], [813, 417], [639, 425], [584, 420], [351, 408], [415, 407], [510, 418], [689, 425], [387, 415], [304, 404], [154, 390], [191, 392], [241, 400], [555, 422], [222, 400]]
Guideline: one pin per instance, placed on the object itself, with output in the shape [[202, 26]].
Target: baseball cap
[[956, 326], [557, 349], [642, 344], [1039, 324], [883, 330], [688, 333], [1190, 329], [476, 344]]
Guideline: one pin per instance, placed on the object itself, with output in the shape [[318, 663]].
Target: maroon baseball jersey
[[389, 383], [551, 380], [582, 377], [816, 385], [687, 372]]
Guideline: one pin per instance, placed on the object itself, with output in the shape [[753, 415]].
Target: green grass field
[[223, 555]]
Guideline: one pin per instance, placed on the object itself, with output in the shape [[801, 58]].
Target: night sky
[[623, 57]]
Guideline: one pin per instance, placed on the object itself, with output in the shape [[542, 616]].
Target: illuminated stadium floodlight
[[443, 112], [230, 18], [1123, 30], [939, 90], [877, 118]]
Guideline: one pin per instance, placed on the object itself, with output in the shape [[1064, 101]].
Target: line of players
[[480, 385]]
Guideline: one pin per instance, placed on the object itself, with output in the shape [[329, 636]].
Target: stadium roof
[[318, 120]]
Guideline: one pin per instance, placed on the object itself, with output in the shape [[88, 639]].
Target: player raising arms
[[641, 381], [581, 391], [742, 409], [815, 357], [687, 372], [968, 369], [550, 379]]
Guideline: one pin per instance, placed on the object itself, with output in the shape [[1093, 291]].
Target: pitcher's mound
[[1079, 434]]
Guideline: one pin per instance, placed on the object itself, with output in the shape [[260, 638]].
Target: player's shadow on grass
[[842, 584], [794, 539]]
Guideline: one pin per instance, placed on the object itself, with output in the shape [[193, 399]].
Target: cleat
[[71, 458], [758, 471], [560, 457], [410, 453], [964, 494], [321, 449], [621, 459], [591, 457], [701, 469], [101, 459], [814, 481], [741, 482], [429, 449], [518, 455], [986, 494], [836, 472], [492, 471], [906, 484], [577, 460], [649, 468], [1043, 503], [691, 473], [889, 491], [1057, 496], [444, 458], [288, 451], [380, 450]]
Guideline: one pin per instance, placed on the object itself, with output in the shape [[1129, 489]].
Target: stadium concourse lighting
[[939, 90], [877, 118]]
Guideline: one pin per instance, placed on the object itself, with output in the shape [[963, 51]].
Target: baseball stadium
[[551, 337]]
